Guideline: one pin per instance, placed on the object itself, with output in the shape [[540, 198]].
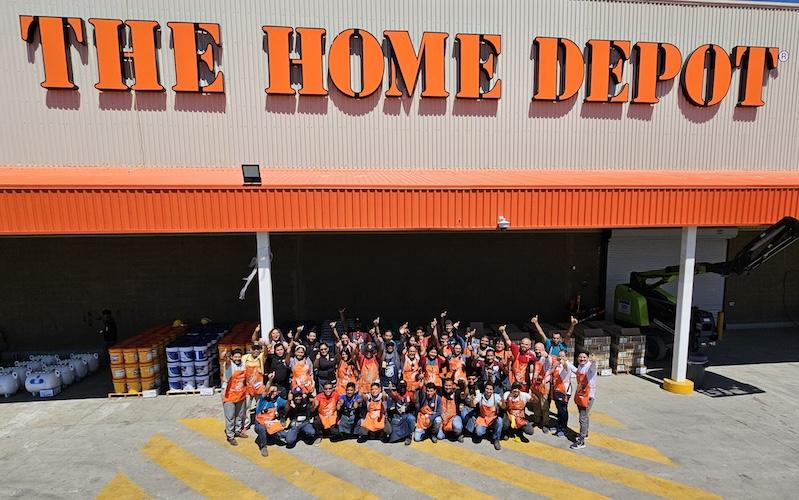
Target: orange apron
[[370, 373], [236, 389], [255, 380], [519, 372], [449, 409], [539, 373], [582, 397], [375, 418], [423, 420], [558, 384], [409, 372], [345, 373], [456, 370], [487, 415], [302, 377], [432, 372], [505, 357], [516, 413], [270, 421], [327, 410]]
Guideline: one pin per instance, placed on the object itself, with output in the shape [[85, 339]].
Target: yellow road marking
[[519, 477], [604, 470], [196, 473], [597, 417], [416, 478], [316, 482], [630, 448], [122, 488]]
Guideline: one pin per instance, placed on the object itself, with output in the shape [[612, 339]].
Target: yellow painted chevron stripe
[[122, 488]]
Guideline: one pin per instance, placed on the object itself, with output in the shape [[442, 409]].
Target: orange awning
[[119, 200]]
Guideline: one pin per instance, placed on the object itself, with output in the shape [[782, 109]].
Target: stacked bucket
[[136, 362], [191, 360], [239, 337]]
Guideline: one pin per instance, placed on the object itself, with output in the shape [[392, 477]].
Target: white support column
[[265, 283], [682, 324]]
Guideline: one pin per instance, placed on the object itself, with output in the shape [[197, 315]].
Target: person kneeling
[[488, 419], [326, 420], [375, 423], [348, 406], [428, 421], [401, 411], [268, 425], [451, 403], [516, 421], [301, 407]]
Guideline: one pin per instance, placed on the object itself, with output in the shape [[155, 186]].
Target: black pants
[[563, 414], [321, 431]]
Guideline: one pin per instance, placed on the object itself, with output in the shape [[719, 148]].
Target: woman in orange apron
[[515, 422], [432, 367], [346, 371], [267, 421], [326, 415], [488, 419], [561, 375], [456, 366], [302, 371], [411, 369], [503, 355], [369, 369], [428, 420], [584, 395], [374, 421]]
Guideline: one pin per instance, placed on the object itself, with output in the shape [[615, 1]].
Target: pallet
[[174, 392], [124, 395]]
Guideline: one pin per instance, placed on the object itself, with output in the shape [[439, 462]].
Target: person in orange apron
[[326, 416], [268, 425], [369, 368], [349, 408], [540, 370], [375, 422], [504, 355], [401, 414], [522, 357], [451, 405], [234, 396], [584, 395], [432, 365], [456, 366], [346, 371], [561, 375], [428, 420], [302, 371], [488, 419], [515, 422], [254, 376], [412, 369]]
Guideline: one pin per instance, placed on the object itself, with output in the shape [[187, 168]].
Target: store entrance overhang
[[130, 200]]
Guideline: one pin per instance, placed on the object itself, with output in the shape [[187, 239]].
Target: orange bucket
[[118, 373], [134, 384], [115, 353], [120, 386], [146, 370], [132, 371], [130, 355]]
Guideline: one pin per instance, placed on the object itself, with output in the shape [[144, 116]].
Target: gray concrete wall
[[53, 289], [770, 294]]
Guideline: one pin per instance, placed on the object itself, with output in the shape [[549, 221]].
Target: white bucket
[[173, 369], [173, 354], [202, 381], [200, 353], [200, 368], [187, 369], [188, 383], [175, 383], [186, 354]]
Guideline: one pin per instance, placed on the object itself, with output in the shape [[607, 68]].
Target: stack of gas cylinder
[[136, 362], [192, 359], [46, 375]]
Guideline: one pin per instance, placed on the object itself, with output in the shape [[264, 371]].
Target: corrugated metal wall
[[85, 127]]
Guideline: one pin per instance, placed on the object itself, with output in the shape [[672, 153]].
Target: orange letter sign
[[754, 61], [655, 62], [280, 61], [188, 59], [406, 63], [55, 54], [472, 67], [372, 65], [110, 54], [599, 78], [719, 73], [547, 87]]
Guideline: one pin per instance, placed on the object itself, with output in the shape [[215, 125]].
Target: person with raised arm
[[554, 345], [586, 373], [522, 357]]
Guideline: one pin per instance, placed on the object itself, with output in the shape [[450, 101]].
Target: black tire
[[656, 348]]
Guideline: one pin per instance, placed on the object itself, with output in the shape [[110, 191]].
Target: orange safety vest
[[270, 421], [516, 413], [327, 409], [432, 372], [519, 372], [345, 373], [255, 380], [423, 420], [487, 414], [410, 370], [583, 395], [375, 416], [449, 409], [236, 388], [370, 373], [537, 378], [302, 377]]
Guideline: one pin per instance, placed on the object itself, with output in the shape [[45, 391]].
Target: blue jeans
[[419, 434], [495, 428], [305, 428], [261, 439], [457, 428], [467, 418]]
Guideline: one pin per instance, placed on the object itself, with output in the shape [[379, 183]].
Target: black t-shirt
[[327, 368], [278, 365], [303, 408], [110, 330]]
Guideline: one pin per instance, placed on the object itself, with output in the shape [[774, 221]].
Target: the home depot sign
[[612, 71]]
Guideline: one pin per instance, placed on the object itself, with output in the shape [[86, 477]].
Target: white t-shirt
[[495, 399], [589, 369], [524, 396]]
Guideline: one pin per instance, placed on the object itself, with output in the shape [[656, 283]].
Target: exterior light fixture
[[251, 174]]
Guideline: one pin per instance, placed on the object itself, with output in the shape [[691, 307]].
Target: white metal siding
[[70, 128], [644, 250]]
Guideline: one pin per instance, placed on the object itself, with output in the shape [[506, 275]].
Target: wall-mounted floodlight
[[251, 173]]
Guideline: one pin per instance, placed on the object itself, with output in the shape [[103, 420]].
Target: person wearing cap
[[515, 422], [268, 424], [349, 408], [375, 422], [428, 419], [301, 369], [300, 411], [368, 364], [469, 398], [402, 414], [326, 420], [389, 364]]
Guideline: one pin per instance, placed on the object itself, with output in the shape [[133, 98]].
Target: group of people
[[431, 383]]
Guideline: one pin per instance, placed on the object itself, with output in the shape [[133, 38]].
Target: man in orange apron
[[428, 420], [267, 420], [539, 386], [515, 422], [234, 396], [488, 419], [584, 395], [369, 368], [326, 416], [522, 357], [451, 405], [374, 421]]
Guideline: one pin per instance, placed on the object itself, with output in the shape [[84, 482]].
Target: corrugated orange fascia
[[121, 200]]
